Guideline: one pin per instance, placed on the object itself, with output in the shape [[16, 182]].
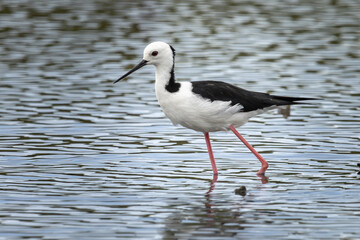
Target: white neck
[[163, 75]]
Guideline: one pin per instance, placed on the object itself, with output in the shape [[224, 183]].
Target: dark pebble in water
[[358, 164], [241, 191]]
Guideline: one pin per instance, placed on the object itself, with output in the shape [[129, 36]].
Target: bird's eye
[[154, 53]]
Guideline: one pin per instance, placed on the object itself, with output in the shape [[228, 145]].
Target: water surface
[[82, 158]]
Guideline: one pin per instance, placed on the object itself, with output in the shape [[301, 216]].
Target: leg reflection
[[212, 184], [208, 203], [263, 178]]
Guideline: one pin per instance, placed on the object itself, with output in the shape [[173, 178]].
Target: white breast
[[192, 111]]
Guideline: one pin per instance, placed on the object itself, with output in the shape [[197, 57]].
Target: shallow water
[[82, 158]]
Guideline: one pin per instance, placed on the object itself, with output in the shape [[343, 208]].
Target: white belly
[[192, 111]]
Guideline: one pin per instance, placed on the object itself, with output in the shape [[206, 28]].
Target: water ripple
[[82, 158]]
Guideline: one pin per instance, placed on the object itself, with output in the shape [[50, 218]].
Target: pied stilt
[[206, 106]]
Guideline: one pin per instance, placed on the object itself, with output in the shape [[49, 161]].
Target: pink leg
[[211, 155], [264, 164]]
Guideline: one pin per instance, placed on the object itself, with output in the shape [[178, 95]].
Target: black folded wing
[[221, 91]]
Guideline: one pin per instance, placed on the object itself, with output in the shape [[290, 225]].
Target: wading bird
[[206, 106]]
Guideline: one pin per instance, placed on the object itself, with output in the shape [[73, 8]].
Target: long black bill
[[140, 65]]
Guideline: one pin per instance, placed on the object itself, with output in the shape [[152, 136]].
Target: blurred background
[[81, 158]]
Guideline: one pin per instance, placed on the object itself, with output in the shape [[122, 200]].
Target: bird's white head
[[157, 54]]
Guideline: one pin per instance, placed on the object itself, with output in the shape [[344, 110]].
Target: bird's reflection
[[208, 203], [217, 218]]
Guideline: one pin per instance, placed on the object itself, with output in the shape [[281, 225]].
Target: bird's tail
[[293, 100]]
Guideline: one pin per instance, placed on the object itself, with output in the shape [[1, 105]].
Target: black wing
[[216, 90]]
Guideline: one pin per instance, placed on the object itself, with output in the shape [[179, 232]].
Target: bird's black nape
[[172, 85], [173, 50]]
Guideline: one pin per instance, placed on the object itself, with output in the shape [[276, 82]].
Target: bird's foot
[[263, 178], [261, 173], [262, 170]]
